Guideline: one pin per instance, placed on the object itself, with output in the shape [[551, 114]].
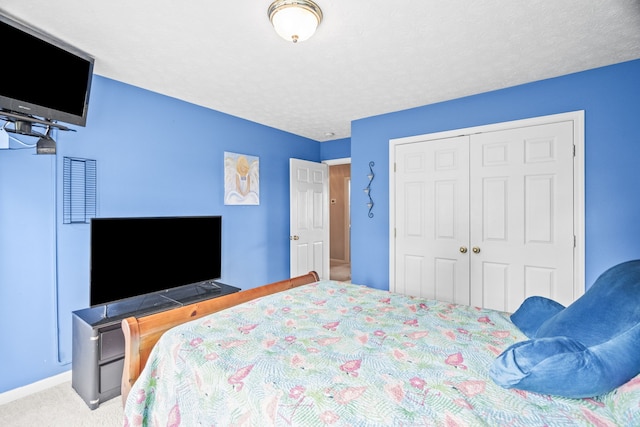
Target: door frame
[[335, 162], [577, 117], [347, 219]]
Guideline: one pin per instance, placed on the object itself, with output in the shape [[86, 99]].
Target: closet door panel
[[486, 219], [432, 219], [495, 276], [522, 214], [411, 271]]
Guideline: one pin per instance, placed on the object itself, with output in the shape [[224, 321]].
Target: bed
[[304, 352]]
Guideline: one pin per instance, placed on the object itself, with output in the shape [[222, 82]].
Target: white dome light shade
[[295, 20]]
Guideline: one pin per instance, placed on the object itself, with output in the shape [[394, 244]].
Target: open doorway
[[340, 219]]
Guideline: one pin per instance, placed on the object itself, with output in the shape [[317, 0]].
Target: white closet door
[[521, 215], [432, 211], [486, 219]]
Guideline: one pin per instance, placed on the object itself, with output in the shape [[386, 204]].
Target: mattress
[[340, 354]]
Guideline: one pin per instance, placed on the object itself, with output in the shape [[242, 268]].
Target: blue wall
[[336, 149], [156, 156], [160, 156], [610, 97]]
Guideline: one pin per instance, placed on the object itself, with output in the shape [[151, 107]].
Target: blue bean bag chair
[[584, 350]]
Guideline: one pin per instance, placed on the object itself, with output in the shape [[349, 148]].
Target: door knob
[[463, 249], [476, 250], [294, 237]]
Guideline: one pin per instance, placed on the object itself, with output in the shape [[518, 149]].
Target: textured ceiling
[[368, 57]]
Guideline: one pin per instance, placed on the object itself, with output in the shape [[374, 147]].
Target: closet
[[485, 219]]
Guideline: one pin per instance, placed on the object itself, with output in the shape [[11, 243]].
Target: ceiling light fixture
[[295, 20]]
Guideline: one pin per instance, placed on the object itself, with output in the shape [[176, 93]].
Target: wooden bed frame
[[141, 333]]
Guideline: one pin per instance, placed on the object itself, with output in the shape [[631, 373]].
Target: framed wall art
[[241, 179]]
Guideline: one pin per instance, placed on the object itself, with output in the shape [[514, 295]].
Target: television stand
[[210, 285], [98, 342]]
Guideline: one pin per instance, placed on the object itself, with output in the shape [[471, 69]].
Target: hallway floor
[[340, 270]]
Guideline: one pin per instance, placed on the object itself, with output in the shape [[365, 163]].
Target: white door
[[486, 219], [309, 218], [432, 219], [521, 215]]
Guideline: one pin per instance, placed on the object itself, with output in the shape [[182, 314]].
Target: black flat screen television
[[43, 76], [135, 256]]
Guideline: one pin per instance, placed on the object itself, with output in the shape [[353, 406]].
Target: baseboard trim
[[20, 392]]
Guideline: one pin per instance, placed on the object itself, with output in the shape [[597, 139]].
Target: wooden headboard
[[142, 333]]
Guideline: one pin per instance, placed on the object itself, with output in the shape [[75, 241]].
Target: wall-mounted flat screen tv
[[135, 256], [42, 76]]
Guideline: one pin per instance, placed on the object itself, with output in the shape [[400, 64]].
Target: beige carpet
[[59, 406], [340, 271]]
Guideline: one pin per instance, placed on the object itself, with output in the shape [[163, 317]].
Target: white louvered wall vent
[[79, 190]]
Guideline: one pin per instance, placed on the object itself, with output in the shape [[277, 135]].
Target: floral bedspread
[[338, 354]]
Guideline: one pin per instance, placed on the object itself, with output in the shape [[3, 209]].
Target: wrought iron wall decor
[[368, 189]]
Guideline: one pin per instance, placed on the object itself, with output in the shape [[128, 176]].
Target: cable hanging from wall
[[367, 190]]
